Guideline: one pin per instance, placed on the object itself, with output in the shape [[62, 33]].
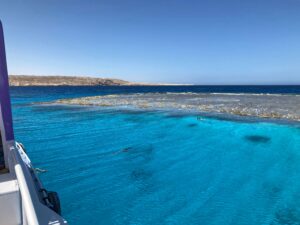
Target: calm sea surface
[[127, 167]]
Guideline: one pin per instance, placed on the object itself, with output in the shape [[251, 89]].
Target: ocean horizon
[[126, 166]]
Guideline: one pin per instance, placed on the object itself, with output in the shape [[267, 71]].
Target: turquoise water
[[126, 167]]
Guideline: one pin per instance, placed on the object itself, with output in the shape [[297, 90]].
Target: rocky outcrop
[[25, 80]]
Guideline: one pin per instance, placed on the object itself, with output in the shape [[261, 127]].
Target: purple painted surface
[[4, 91]]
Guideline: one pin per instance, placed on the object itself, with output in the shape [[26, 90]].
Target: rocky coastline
[[29, 80]]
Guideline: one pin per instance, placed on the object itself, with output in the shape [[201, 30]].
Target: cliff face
[[25, 80]]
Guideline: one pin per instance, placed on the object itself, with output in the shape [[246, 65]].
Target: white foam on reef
[[253, 94], [275, 106]]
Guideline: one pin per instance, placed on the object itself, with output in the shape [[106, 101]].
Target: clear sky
[[202, 42]]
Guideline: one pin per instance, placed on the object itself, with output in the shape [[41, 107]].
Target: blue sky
[[202, 42]]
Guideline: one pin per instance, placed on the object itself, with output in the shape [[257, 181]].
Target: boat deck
[[9, 200]]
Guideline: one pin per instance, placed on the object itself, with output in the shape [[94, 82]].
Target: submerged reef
[[259, 105], [257, 138]]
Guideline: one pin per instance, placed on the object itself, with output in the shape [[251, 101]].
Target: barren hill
[[26, 80]]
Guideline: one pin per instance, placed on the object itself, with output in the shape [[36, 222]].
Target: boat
[[23, 198]]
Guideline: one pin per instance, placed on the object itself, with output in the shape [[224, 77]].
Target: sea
[[119, 166]]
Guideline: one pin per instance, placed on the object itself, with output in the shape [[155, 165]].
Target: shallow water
[[259, 105], [126, 167]]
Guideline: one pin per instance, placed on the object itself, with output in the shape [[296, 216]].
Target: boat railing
[[26, 197]]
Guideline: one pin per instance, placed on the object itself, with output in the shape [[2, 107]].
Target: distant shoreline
[[34, 80]]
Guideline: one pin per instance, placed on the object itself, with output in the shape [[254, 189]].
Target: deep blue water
[[126, 167]]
